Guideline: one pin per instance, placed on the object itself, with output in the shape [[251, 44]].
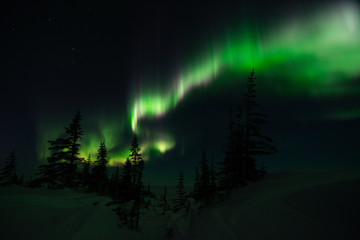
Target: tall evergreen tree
[[138, 164], [60, 170], [245, 142], [212, 178], [205, 173], [136, 189], [53, 172], [126, 181], [196, 191], [204, 188], [74, 133], [127, 194], [99, 171], [86, 173], [163, 201], [227, 176], [8, 174], [180, 202], [255, 143], [238, 163]]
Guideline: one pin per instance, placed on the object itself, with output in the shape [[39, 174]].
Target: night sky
[[170, 72]]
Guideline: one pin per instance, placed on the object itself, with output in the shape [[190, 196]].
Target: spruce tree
[[74, 133], [227, 177], [60, 170], [86, 173], [238, 163], [126, 181], [196, 190], [137, 163], [255, 143], [163, 201], [245, 142], [180, 202], [212, 179], [204, 188], [52, 173], [99, 171], [8, 174]]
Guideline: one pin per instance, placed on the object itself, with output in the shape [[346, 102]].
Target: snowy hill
[[289, 205], [294, 205]]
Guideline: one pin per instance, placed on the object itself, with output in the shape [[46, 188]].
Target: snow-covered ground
[[288, 205]]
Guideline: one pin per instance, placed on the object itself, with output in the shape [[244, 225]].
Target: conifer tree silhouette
[[133, 169], [60, 170], [52, 173], [86, 173], [205, 174], [204, 185], [137, 163], [74, 133], [196, 191], [255, 143], [205, 181], [8, 174], [126, 181], [213, 185], [227, 177], [238, 164], [245, 142], [180, 202], [163, 201], [99, 171]]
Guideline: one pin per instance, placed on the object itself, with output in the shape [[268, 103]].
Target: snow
[[53, 214], [288, 205], [294, 205]]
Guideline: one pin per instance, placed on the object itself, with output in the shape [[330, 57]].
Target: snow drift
[[288, 205]]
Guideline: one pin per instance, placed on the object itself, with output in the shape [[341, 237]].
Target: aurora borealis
[[319, 53], [319, 64], [168, 72]]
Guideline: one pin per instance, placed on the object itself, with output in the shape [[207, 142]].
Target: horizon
[[146, 69]]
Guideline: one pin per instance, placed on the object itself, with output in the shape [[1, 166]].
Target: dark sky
[[103, 58]]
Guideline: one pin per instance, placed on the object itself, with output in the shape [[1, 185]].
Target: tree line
[[65, 168], [245, 142]]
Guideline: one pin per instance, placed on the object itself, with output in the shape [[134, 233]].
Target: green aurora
[[316, 56]]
